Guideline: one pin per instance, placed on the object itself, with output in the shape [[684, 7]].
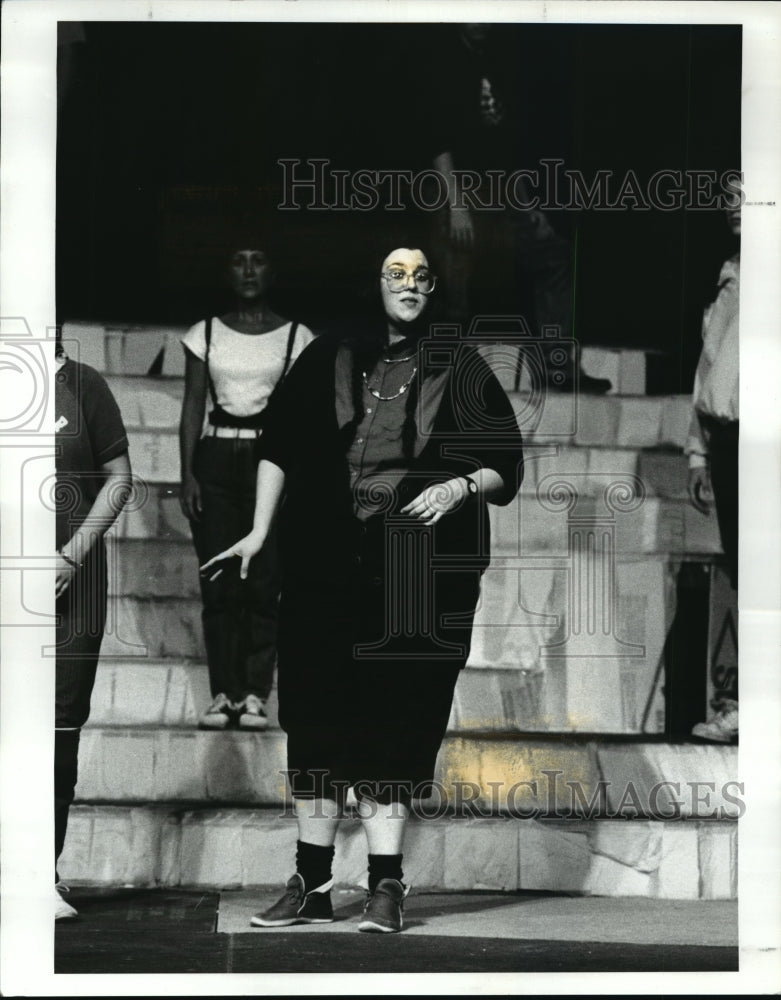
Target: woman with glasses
[[237, 360], [384, 445]]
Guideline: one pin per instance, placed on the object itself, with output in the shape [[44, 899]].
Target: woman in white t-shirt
[[236, 361]]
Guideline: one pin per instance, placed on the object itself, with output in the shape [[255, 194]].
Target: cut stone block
[[149, 568], [152, 629], [553, 856], [718, 860], [640, 422], [474, 862], [268, 848], [154, 455], [676, 417], [607, 877], [85, 342], [212, 850], [678, 876], [520, 777], [637, 845], [670, 780], [664, 473], [626, 369]]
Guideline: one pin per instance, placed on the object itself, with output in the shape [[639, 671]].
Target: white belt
[[232, 432]]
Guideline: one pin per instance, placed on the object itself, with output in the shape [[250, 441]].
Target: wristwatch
[[471, 485]]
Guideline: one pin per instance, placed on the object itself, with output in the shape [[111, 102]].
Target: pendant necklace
[[395, 395]]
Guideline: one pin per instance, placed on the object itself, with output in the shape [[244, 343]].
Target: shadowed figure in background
[[478, 121]]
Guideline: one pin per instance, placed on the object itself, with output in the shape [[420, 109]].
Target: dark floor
[[153, 931]]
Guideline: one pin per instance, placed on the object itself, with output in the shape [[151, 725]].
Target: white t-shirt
[[245, 367]]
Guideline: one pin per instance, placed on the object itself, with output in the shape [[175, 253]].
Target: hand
[[542, 228], [190, 498], [700, 491], [64, 577], [430, 505], [462, 230], [245, 549]]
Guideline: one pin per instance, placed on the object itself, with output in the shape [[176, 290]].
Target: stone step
[[562, 674], [151, 408], [171, 693], [519, 774], [232, 848], [132, 349]]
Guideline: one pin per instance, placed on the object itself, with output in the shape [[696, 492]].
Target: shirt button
[[369, 409], [359, 440]]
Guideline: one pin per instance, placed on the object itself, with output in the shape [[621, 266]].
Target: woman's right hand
[[190, 498], [245, 549], [462, 230]]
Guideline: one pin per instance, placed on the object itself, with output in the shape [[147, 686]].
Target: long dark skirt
[[367, 669]]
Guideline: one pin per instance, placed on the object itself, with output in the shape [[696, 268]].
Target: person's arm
[[461, 227], [270, 485], [108, 504], [190, 425]]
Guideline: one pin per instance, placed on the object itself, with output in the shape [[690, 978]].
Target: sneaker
[[63, 910], [298, 906], [252, 713], [218, 715], [722, 727], [383, 909]]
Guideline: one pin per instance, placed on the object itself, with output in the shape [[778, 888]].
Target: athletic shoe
[[219, 714], [298, 906], [722, 727], [252, 713], [383, 909], [63, 910]]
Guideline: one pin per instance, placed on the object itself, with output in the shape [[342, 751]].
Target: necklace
[[396, 395], [395, 361]]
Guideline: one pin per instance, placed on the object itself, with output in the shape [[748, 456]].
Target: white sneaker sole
[[260, 922], [252, 722], [371, 927]]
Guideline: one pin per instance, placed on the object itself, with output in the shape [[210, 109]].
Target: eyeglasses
[[398, 279]]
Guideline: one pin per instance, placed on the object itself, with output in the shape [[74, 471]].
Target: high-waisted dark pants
[[239, 616]]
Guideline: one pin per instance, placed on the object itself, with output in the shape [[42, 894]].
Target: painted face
[[408, 303], [250, 273]]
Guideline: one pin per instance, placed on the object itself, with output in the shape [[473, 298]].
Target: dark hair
[[366, 336]]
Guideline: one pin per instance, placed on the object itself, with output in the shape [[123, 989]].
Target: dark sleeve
[[487, 421], [104, 424], [287, 415]]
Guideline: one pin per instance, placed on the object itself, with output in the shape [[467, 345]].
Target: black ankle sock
[[313, 864], [384, 866]]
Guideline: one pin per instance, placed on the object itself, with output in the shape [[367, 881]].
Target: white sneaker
[[253, 713], [63, 910], [722, 727], [219, 714]]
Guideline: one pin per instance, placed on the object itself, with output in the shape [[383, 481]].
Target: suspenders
[[221, 418]]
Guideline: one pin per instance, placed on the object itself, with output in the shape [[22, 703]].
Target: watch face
[[471, 485]]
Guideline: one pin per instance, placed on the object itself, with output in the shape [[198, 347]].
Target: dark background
[[169, 134]]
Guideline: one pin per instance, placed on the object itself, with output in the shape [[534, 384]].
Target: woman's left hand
[[435, 501]]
